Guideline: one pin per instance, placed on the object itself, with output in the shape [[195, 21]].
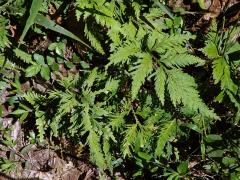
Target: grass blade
[[49, 24], [35, 7]]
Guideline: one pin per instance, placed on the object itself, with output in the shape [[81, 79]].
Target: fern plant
[[152, 61], [222, 48]]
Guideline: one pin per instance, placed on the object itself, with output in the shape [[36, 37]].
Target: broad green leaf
[[217, 153], [39, 59], [234, 48], [32, 70], [228, 161], [24, 151], [194, 127], [45, 72], [213, 137], [202, 4], [19, 112], [50, 60], [144, 155], [210, 50], [55, 67], [35, 7], [49, 24], [183, 168]]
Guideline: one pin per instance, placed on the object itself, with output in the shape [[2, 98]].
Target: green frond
[[117, 120], [210, 50], [7, 64], [182, 60], [91, 78], [108, 138], [93, 40], [172, 43], [129, 139], [123, 54], [115, 37], [105, 18], [4, 41], [41, 124], [160, 79], [54, 94], [75, 124], [221, 73], [141, 71], [234, 100], [55, 124], [129, 30], [218, 69], [33, 97], [158, 116], [95, 149], [66, 105], [69, 81], [67, 102], [111, 86], [168, 130], [25, 57], [183, 90], [152, 38]]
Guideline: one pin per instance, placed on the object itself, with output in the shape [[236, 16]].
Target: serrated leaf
[[221, 73], [182, 60], [183, 89], [95, 149], [167, 131], [210, 50], [27, 58], [143, 69], [122, 54], [93, 40], [218, 69], [160, 79]]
